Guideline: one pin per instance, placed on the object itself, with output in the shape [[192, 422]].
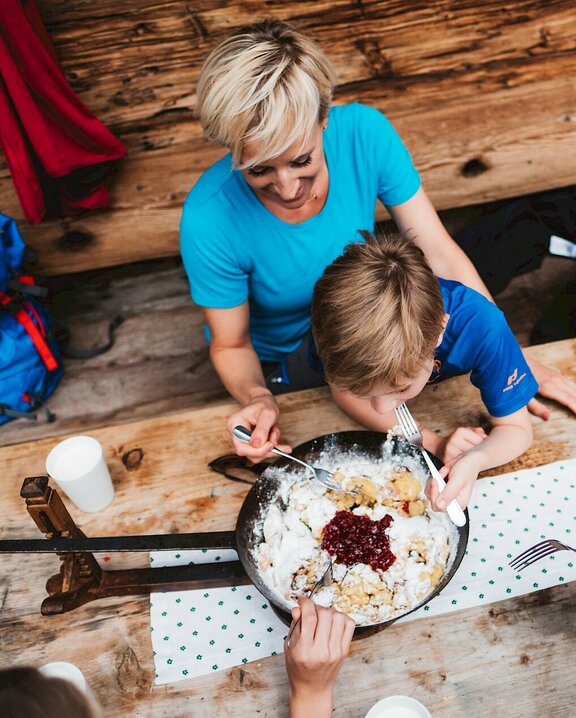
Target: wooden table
[[513, 658]]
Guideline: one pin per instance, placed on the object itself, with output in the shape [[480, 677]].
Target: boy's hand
[[458, 442], [461, 473]]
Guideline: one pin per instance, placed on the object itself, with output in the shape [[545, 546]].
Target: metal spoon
[[325, 580], [321, 475]]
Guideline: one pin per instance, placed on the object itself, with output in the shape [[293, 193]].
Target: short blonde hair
[[266, 84], [377, 314]]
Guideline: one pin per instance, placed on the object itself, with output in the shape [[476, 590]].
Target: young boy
[[385, 326]]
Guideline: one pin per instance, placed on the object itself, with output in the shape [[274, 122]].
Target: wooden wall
[[482, 92]]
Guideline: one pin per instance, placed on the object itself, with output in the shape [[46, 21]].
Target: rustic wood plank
[[455, 663], [482, 95]]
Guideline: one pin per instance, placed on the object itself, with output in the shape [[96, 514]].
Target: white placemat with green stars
[[198, 632]]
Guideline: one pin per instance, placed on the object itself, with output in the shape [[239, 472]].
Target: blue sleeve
[[501, 372], [216, 277], [398, 180]]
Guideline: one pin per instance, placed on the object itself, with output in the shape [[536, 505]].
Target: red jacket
[[59, 154]]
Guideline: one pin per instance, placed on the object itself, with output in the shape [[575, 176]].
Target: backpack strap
[[36, 402], [5, 410], [25, 284], [23, 316]]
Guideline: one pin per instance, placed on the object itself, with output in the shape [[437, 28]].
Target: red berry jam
[[354, 539]]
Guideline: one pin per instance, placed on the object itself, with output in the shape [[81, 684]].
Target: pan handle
[[231, 462]]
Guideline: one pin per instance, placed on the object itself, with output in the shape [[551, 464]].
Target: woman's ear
[[445, 319]]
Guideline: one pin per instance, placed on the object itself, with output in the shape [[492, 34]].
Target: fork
[[414, 436], [325, 580], [322, 475], [538, 551]]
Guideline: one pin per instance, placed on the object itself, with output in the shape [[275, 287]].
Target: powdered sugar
[[290, 556]]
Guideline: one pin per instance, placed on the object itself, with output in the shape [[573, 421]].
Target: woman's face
[[291, 179]]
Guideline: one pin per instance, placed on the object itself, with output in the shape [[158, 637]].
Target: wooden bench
[[483, 95]]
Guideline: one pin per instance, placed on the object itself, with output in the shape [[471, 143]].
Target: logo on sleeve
[[513, 380]]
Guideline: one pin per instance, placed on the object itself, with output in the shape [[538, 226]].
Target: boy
[[385, 326]]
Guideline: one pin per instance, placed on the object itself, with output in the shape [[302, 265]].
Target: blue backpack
[[30, 360]]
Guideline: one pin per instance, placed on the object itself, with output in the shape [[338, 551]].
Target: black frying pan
[[247, 534], [265, 490]]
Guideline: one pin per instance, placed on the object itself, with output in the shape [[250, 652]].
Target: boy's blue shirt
[[234, 249], [478, 341]]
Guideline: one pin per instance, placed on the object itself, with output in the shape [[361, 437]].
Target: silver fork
[[325, 580], [414, 437], [321, 475], [538, 551]]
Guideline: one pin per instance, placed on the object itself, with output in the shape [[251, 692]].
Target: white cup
[[67, 671], [398, 707], [77, 465]]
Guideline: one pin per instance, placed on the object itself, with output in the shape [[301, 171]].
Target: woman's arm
[[239, 368], [419, 219]]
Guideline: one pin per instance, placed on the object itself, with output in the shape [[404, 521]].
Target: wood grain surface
[[482, 94], [513, 658]]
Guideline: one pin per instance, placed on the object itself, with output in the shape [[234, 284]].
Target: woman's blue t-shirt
[[234, 249]]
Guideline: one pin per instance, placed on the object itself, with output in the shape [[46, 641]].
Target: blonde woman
[[261, 224]]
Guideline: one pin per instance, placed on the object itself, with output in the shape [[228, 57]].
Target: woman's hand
[[261, 418], [317, 647], [552, 385]]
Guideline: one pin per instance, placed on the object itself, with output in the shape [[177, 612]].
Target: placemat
[[198, 632]]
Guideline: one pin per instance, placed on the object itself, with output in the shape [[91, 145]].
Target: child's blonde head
[[267, 85], [377, 314]]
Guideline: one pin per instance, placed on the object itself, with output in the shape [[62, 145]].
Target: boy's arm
[[510, 436]]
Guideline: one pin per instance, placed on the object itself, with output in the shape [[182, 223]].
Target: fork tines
[[406, 420], [534, 553]]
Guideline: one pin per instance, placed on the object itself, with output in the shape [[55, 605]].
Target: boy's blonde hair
[[377, 314], [266, 84]]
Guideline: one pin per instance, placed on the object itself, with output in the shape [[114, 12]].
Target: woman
[[261, 224]]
